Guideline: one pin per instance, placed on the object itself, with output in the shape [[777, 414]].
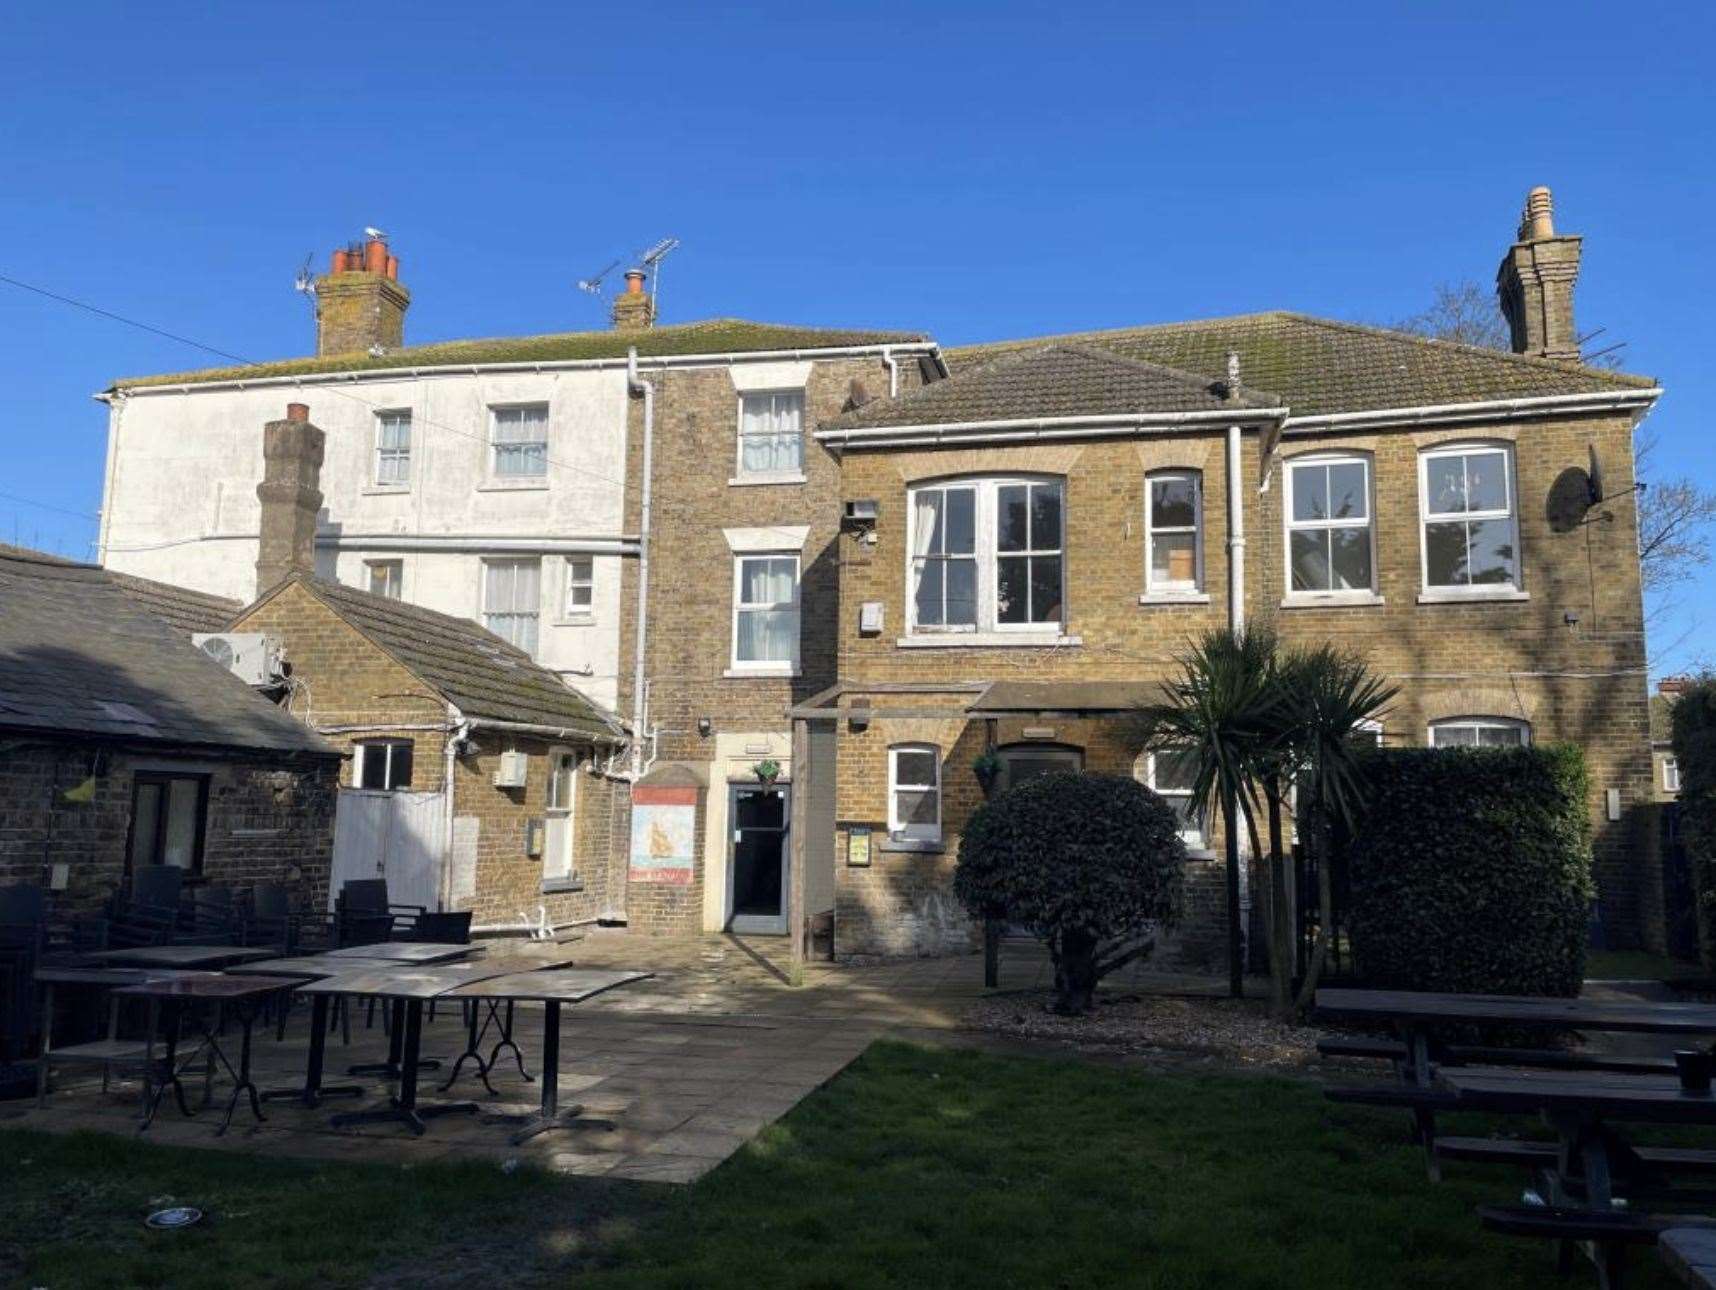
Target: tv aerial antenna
[[304, 283], [650, 261], [592, 285]]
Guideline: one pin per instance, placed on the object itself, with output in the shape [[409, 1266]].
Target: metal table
[[499, 1013], [103, 1052], [308, 967], [182, 956], [171, 996], [405, 952], [407, 989], [552, 989]]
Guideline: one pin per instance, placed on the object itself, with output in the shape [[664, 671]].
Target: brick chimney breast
[[360, 305], [634, 308], [291, 497], [1535, 283]]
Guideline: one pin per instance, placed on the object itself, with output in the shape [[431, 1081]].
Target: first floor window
[[771, 432], [392, 449], [512, 600], [381, 763], [987, 555], [1471, 540], [1480, 732], [1329, 536], [1670, 775], [914, 793], [521, 441], [580, 585], [765, 612], [169, 816], [1171, 775], [1173, 521], [386, 578]]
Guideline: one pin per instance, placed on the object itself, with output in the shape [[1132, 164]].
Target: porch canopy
[[1062, 698]]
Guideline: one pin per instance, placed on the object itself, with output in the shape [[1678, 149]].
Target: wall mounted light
[[704, 726]]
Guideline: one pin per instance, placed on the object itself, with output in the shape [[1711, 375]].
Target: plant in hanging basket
[[767, 772], [987, 767]]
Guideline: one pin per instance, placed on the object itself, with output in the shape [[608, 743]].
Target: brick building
[[1052, 524], [122, 744]]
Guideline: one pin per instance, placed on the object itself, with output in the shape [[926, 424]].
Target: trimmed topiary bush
[[1089, 863], [1471, 871], [1694, 737]]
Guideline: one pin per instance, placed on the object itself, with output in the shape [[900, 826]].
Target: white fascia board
[[1488, 410], [594, 545], [1049, 427]]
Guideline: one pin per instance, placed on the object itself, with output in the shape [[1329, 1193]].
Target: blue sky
[[977, 172]]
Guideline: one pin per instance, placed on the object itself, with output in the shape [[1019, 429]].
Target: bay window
[[1470, 527], [987, 555], [1330, 534], [765, 613]]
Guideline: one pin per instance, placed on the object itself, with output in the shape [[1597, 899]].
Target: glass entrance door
[[757, 861]]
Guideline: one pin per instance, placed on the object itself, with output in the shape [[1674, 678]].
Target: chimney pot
[[339, 264], [393, 268], [634, 282], [360, 304], [634, 308], [297, 411], [375, 256], [1535, 283]]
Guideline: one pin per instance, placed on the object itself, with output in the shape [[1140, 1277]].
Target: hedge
[[1694, 737], [1471, 871]]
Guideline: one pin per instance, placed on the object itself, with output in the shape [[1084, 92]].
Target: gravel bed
[[1237, 1030]]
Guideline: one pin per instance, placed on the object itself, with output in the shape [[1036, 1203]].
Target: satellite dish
[[220, 650]]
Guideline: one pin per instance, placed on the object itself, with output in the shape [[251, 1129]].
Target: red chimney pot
[[393, 268], [297, 411], [340, 261], [634, 282], [375, 256]]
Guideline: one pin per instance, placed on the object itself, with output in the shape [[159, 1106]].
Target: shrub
[[1089, 863], [1694, 738], [1471, 871]]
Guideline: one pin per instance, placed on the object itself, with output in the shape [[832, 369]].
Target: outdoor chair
[[271, 921], [147, 914], [209, 916], [23, 942], [441, 929], [365, 916]]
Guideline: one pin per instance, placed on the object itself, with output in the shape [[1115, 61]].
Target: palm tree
[[1217, 715]]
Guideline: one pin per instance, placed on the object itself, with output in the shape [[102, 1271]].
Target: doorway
[[757, 858], [558, 819]]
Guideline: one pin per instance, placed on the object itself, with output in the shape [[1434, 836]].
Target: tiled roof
[[464, 662], [714, 336], [187, 610], [1053, 380], [79, 655], [1319, 366]]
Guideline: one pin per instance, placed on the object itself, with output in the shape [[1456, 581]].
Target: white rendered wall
[[180, 499]]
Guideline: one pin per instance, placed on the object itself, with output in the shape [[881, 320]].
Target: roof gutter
[[1489, 410], [630, 363], [1045, 427], [613, 735], [624, 544]]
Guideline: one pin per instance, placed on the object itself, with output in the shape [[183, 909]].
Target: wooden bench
[[1690, 1253], [1512, 1151], [1607, 1235], [1472, 1055], [1359, 1046], [1422, 1102]]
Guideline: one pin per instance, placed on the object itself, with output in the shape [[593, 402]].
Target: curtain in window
[[771, 439], [512, 600], [521, 441], [393, 448], [767, 626], [944, 557]]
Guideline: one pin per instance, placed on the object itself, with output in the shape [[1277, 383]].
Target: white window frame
[[562, 867], [898, 829], [796, 474], [1359, 595], [1671, 774], [1193, 835], [1510, 478], [364, 749], [986, 539], [397, 568], [385, 454], [1168, 588], [574, 582], [1478, 723], [485, 613], [536, 477], [766, 667]]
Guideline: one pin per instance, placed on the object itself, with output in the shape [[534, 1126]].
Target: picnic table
[[181, 956], [553, 989], [171, 997]]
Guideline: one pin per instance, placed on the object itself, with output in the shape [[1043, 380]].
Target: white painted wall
[[183, 465]]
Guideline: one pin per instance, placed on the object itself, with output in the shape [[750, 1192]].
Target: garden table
[[182, 956], [552, 989], [106, 1052], [406, 952], [499, 1011], [171, 996], [307, 967]]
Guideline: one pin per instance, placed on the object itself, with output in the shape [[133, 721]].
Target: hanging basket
[[767, 772]]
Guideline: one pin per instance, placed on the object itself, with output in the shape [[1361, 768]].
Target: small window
[[169, 818], [521, 442], [580, 586], [1479, 732], [914, 793], [765, 612], [771, 433], [1471, 540], [1330, 541], [386, 577], [1171, 775], [381, 763], [1173, 532], [512, 600], [392, 449], [1670, 775]]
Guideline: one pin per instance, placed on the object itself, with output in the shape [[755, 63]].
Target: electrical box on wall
[[514, 766], [533, 832], [870, 617]]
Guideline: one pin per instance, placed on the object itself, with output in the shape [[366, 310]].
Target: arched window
[[914, 793], [1480, 732]]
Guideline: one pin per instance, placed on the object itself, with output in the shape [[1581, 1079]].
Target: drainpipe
[[1235, 513], [636, 386], [893, 370], [458, 731]]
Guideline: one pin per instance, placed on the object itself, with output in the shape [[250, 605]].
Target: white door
[[391, 835], [562, 813]]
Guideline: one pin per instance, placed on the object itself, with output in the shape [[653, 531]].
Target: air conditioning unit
[[514, 765], [250, 656]]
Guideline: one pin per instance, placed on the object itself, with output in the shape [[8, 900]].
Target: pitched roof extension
[[713, 336], [468, 665], [81, 656], [1320, 367], [1049, 381]]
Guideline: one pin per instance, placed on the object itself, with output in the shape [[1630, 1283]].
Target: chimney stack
[[360, 305], [291, 497], [1535, 283], [634, 309]]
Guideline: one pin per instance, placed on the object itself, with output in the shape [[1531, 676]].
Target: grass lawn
[[917, 1167]]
